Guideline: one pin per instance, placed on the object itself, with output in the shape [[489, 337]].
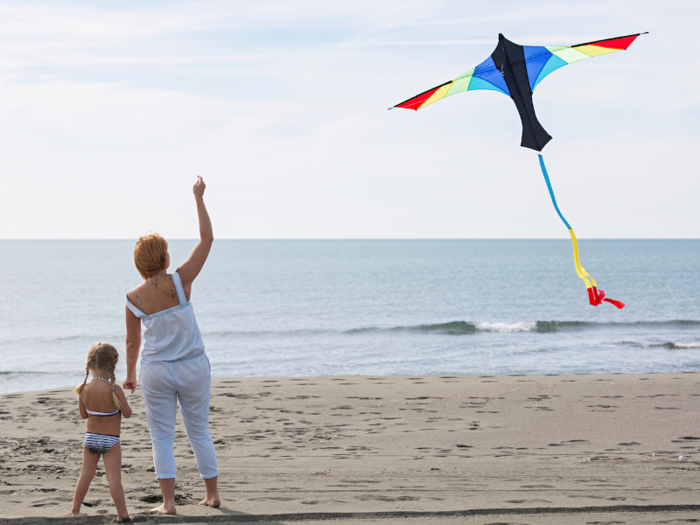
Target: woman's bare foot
[[211, 501], [164, 510], [124, 520], [77, 513]]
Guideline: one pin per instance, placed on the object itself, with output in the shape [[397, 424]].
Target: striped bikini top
[[102, 414]]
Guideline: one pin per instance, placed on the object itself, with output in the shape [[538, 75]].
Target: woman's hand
[[189, 270], [130, 383], [198, 188]]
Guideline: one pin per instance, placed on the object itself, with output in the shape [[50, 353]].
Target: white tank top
[[170, 334]]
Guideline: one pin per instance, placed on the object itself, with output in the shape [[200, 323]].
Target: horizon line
[[372, 239]]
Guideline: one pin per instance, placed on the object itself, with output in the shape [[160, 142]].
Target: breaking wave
[[463, 328], [669, 345], [466, 328], [21, 373]]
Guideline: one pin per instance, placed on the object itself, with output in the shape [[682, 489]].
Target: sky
[[109, 110]]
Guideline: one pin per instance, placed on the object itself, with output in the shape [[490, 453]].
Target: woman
[[173, 363]]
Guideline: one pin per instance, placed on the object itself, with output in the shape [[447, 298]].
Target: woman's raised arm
[[189, 270]]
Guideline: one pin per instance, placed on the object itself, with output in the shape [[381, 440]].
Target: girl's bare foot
[[124, 520], [211, 501], [164, 510], [77, 513]]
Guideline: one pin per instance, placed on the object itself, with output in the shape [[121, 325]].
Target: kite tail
[[595, 296]]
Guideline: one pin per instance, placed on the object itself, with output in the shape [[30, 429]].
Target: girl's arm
[[125, 408], [133, 345], [189, 270], [81, 407]]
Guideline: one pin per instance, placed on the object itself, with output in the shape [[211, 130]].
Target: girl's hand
[[198, 188], [130, 384]]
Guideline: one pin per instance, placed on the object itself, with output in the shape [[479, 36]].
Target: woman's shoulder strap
[[180, 290], [138, 313]]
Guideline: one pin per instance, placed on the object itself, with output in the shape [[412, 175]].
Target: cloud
[[107, 113]]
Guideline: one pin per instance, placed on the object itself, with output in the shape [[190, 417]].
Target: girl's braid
[[113, 380], [80, 387]]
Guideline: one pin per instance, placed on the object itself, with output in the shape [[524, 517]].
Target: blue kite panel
[[535, 51], [552, 64], [479, 83], [486, 65], [534, 65], [488, 71]]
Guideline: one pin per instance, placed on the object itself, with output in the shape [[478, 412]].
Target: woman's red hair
[[151, 255]]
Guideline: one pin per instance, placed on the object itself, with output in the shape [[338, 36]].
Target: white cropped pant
[[163, 383]]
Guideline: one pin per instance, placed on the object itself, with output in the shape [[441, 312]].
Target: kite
[[516, 71]]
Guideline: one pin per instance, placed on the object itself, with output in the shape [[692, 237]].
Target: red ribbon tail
[[619, 304], [591, 297], [596, 297], [599, 295]]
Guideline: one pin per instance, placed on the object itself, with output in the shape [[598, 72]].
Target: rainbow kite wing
[[515, 71], [542, 60]]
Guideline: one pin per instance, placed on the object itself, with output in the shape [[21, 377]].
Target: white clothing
[[170, 334], [162, 384], [175, 367]]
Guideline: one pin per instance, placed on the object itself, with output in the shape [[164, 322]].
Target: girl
[[97, 401]]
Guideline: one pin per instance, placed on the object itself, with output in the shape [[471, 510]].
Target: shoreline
[[386, 376], [385, 444]]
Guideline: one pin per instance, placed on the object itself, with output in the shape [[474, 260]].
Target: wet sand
[[458, 449]]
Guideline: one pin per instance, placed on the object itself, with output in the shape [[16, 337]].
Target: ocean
[[366, 307]]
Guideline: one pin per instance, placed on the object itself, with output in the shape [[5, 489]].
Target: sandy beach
[[458, 449]]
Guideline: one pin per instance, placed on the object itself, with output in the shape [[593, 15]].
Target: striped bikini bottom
[[99, 443]]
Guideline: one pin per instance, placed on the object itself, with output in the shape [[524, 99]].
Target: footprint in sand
[[527, 501]]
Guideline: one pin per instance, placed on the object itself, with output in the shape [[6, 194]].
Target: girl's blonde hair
[[101, 356], [150, 254]]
